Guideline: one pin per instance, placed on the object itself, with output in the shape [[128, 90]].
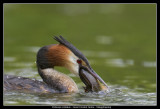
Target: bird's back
[[23, 84]]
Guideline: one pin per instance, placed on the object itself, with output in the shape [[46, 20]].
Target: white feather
[[74, 67]]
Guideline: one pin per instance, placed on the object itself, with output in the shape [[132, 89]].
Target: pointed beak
[[92, 80]]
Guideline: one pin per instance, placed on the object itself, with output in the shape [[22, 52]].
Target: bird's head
[[66, 55]]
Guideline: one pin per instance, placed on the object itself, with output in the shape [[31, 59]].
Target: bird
[[65, 55]]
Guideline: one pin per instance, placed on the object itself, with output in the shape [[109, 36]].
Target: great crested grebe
[[65, 55]]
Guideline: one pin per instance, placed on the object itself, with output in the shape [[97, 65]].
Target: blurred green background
[[119, 40]]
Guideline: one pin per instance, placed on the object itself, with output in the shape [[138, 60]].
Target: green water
[[119, 41]]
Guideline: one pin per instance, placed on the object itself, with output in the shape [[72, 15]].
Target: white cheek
[[74, 66], [73, 59], [74, 70]]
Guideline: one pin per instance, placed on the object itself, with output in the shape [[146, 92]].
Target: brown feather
[[58, 55]]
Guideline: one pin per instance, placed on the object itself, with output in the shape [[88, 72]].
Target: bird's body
[[65, 55], [58, 83]]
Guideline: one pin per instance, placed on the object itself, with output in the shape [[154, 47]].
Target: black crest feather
[[64, 42]]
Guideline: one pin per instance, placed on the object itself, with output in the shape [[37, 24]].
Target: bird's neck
[[57, 80]]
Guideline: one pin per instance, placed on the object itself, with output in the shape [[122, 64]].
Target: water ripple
[[119, 95]]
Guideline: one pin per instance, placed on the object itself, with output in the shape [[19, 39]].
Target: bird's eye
[[79, 61]]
